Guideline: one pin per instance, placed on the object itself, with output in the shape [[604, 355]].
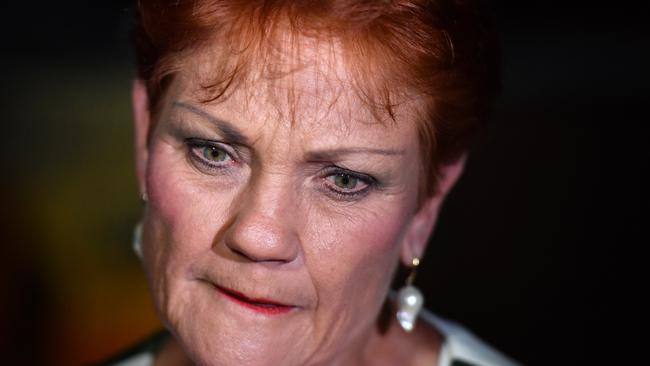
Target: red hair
[[440, 50]]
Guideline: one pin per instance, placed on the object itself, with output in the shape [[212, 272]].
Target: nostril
[[241, 254], [250, 255]]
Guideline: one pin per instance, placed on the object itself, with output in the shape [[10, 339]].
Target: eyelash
[[369, 182], [195, 145]]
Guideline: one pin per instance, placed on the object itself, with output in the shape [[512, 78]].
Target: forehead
[[303, 84]]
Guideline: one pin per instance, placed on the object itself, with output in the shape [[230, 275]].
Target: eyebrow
[[332, 154], [235, 136], [228, 130]]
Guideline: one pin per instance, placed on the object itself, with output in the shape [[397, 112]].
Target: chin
[[214, 330], [238, 348]]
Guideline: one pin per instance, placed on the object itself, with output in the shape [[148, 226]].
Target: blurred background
[[536, 249]]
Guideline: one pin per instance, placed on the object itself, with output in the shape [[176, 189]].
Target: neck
[[171, 354], [391, 345], [384, 344], [387, 344]]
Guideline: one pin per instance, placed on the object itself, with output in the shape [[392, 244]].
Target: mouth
[[259, 305]]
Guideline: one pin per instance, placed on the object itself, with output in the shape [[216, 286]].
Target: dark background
[[538, 249]]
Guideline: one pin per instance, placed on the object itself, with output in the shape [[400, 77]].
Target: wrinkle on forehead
[[297, 80]]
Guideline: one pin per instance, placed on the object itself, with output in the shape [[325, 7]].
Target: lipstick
[[259, 305]]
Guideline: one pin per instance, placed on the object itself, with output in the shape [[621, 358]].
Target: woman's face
[[276, 217]]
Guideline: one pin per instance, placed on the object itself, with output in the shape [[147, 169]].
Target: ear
[[141, 125], [422, 224]]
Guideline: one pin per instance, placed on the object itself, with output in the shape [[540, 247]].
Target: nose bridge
[[269, 192], [263, 229]]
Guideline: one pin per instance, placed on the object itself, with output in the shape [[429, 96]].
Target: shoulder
[[461, 347], [142, 354]]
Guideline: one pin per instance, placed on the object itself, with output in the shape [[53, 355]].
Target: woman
[[291, 154]]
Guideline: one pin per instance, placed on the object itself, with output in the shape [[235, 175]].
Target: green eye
[[211, 157], [346, 185], [345, 181], [212, 153]]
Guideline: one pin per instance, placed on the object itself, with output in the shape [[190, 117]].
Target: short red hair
[[442, 50]]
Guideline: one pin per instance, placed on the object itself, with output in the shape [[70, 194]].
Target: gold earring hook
[[415, 263]]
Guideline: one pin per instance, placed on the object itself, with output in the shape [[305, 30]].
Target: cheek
[[358, 252], [182, 217]]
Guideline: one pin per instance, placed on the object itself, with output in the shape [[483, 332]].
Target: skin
[[264, 213]]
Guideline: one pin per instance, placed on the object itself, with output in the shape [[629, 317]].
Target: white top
[[462, 345], [141, 359], [459, 345]]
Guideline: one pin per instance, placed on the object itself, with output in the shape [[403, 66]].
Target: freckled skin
[[269, 226]]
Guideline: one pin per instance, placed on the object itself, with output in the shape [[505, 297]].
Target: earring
[[143, 197], [137, 240], [409, 300]]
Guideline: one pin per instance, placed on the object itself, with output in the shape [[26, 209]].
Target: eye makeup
[[335, 179], [214, 156]]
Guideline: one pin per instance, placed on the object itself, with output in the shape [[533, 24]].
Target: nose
[[263, 229]]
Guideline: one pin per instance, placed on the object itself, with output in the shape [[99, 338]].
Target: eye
[[346, 184], [345, 181], [213, 153], [210, 155]]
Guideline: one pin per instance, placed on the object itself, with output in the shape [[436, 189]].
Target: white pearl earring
[[409, 301], [137, 240], [136, 243]]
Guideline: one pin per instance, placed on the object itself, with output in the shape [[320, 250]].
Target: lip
[[259, 305]]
